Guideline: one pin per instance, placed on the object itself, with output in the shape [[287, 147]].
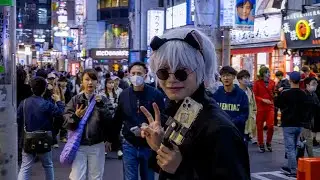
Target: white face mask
[[312, 88], [246, 82], [136, 80]]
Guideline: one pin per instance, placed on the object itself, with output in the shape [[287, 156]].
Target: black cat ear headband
[[190, 39]]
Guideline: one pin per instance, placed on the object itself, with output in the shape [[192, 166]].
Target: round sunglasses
[[180, 74]]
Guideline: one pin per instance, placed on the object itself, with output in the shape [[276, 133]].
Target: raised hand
[[153, 133], [80, 110]]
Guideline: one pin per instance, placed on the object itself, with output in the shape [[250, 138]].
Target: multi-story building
[[33, 28], [112, 49]]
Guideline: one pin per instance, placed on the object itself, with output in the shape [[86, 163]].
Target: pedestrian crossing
[[273, 175]]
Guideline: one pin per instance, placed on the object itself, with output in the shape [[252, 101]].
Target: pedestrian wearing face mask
[[263, 90], [250, 128], [135, 149], [311, 84]]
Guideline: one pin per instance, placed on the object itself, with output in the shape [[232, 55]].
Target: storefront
[[251, 49], [110, 58], [302, 34]]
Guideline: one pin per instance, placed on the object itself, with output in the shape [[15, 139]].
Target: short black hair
[[228, 69], [138, 64], [98, 69], [38, 85], [305, 69], [42, 73], [279, 73], [309, 79], [121, 74], [91, 73], [63, 79], [242, 74], [108, 75], [21, 75]]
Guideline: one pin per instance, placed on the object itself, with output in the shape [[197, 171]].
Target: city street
[[263, 166]]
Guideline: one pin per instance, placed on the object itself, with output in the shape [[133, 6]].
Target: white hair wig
[[177, 54]]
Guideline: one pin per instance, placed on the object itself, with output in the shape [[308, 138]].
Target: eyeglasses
[[227, 76], [180, 74], [190, 39]]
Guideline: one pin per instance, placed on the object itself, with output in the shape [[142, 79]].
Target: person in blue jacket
[[232, 99]]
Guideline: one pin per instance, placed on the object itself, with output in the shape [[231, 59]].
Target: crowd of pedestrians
[[143, 120]]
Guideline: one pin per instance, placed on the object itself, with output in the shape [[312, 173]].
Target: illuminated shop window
[[117, 36], [113, 3]]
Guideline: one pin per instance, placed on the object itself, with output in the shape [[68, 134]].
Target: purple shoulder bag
[[69, 151]]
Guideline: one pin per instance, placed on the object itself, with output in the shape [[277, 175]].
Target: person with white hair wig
[[183, 59]]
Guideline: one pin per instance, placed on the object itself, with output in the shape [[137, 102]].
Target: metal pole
[[226, 47], [8, 125]]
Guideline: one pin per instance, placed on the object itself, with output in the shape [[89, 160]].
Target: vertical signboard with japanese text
[[302, 30], [244, 14], [227, 13], [155, 25], [205, 13], [176, 16]]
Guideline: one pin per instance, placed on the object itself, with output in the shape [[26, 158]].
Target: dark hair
[[138, 64], [242, 74], [113, 90], [108, 75], [38, 85], [91, 73], [243, 2], [279, 73], [305, 69], [62, 79], [228, 69], [98, 69], [21, 75], [308, 80], [42, 73], [121, 74]]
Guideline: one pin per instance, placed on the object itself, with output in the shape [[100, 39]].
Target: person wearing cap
[[293, 104], [117, 89], [263, 90], [232, 99]]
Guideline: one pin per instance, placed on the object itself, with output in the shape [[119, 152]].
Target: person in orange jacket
[[264, 93]]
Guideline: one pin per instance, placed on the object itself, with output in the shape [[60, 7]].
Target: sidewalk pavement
[[278, 139]]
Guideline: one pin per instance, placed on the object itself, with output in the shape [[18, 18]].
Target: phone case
[[186, 115]]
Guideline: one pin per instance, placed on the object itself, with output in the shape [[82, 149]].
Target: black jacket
[[129, 115], [312, 111], [213, 148], [294, 105], [98, 127]]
